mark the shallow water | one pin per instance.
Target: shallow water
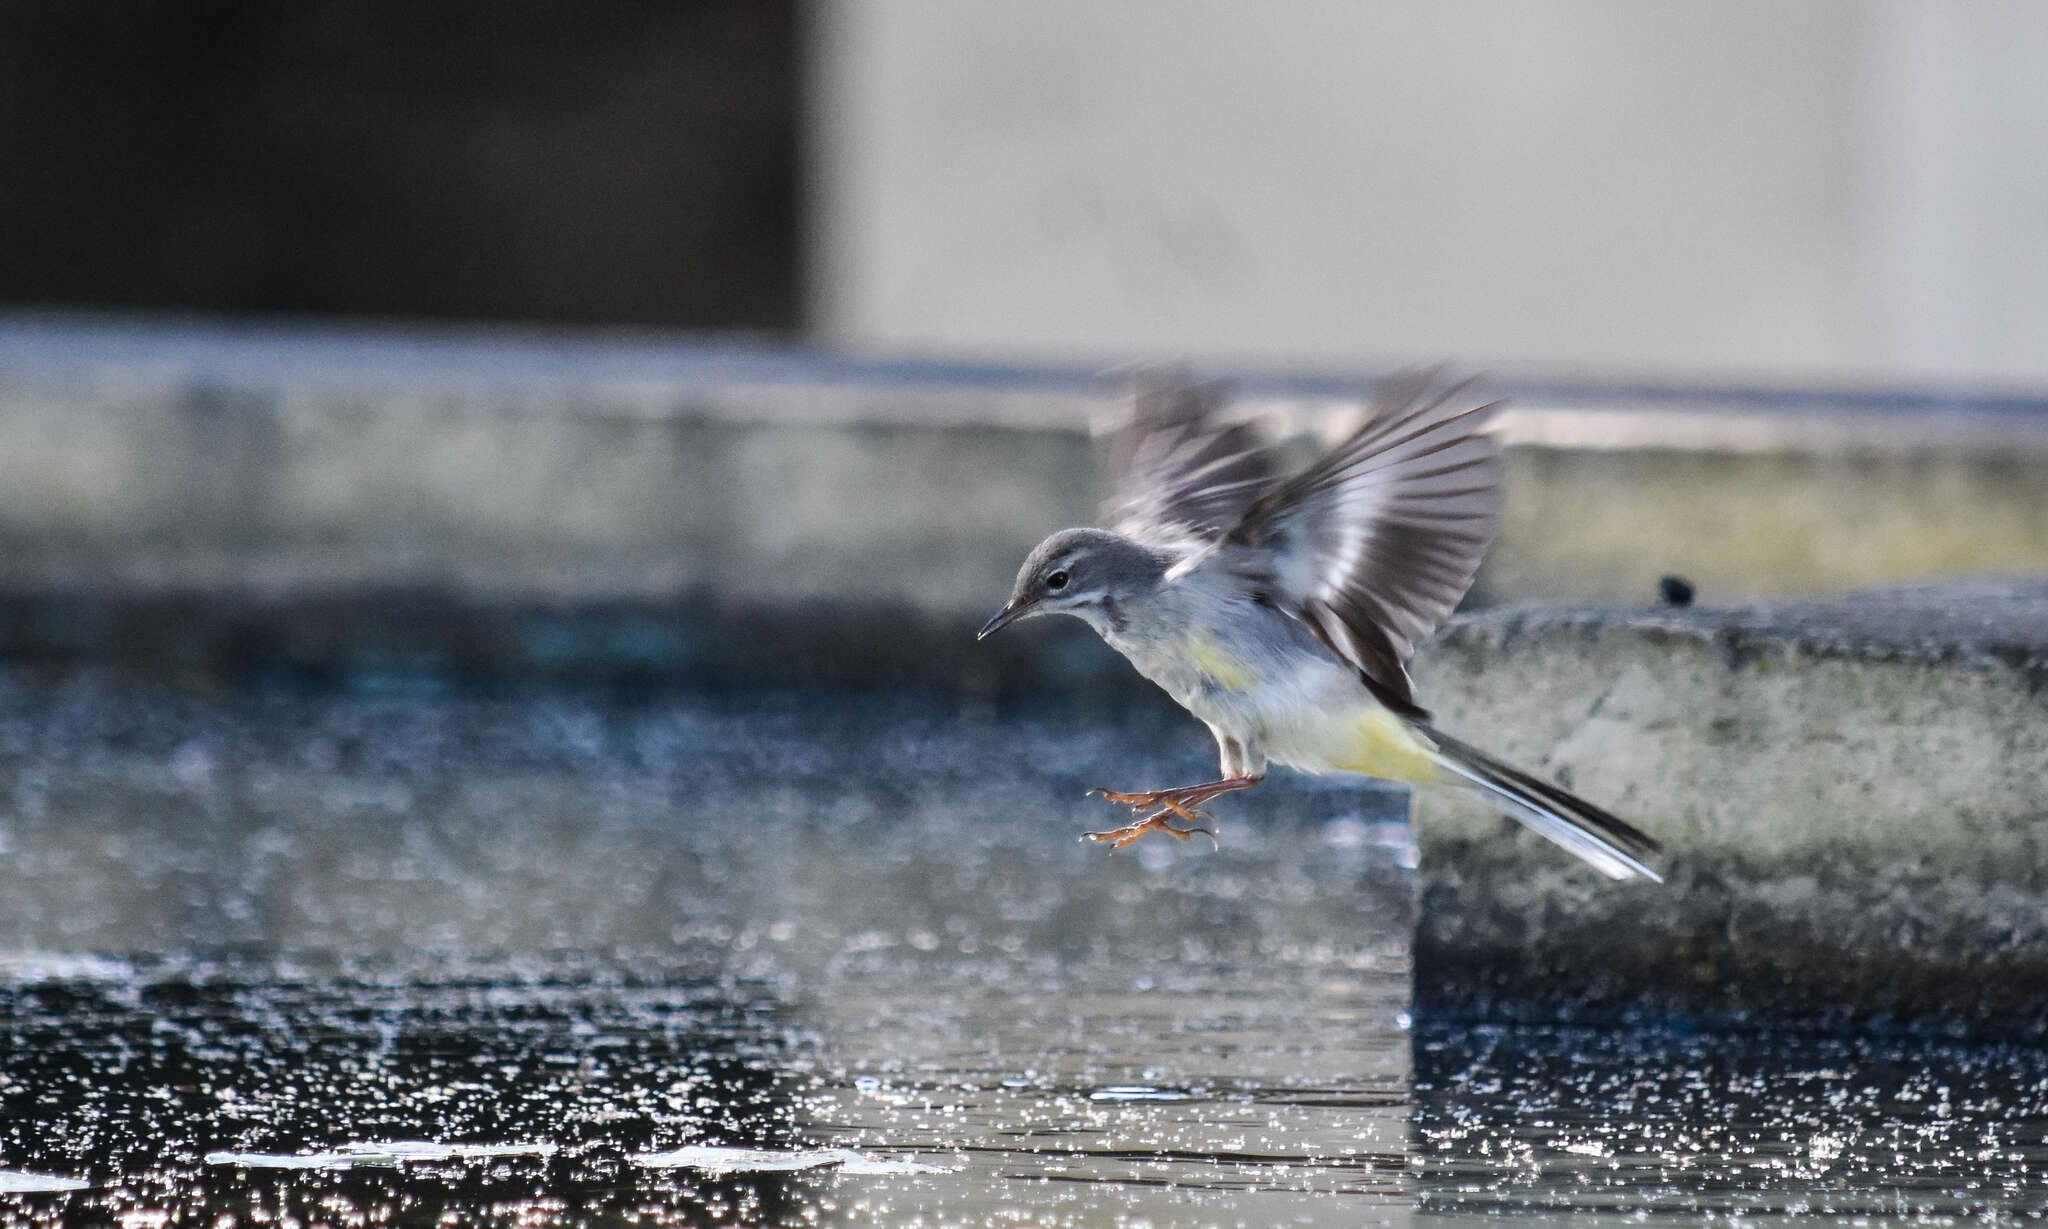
(1022, 1092)
(1756, 1128)
(276, 924)
(274, 957)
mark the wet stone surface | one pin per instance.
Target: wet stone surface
(600, 939)
(277, 958)
(192, 1096)
(1752, 1129)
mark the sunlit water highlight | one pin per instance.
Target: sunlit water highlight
(280, 958)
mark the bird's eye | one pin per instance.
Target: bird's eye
(1056, 582)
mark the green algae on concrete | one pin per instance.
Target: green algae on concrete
(1594, 524)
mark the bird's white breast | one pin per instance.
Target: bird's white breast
(1253, 674)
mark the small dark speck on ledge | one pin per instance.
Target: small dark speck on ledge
(1675, 590)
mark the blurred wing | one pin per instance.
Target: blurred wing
(1375, 543)
(1182, 476)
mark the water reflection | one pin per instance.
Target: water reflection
(130, 1084)
(1764, 1128)
(963, 1092)
(274, 924)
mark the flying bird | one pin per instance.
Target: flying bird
(1281, 610)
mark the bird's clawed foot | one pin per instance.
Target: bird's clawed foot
(1157, 811)
(1160, 820)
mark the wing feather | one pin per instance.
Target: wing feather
(1182, 475)
(1371, 546)
(1374, 544)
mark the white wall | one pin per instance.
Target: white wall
(1712, 188)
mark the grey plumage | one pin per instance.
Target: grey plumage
(1282, 611)
(1183, 477)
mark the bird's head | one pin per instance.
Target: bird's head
(1087, 573)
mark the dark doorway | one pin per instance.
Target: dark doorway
(585, 161)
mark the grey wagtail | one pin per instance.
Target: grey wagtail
(1282, 611)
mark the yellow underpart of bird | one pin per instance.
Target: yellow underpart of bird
(1379, 744)
(1226, 669)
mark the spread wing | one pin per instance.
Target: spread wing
(1183, 476)
(1377, 541)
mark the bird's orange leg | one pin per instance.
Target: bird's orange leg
(1157, 809)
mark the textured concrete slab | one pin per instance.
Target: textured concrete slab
(342, 498)
(1854, 794)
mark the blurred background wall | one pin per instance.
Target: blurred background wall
(1824, 190)
(1808, 190)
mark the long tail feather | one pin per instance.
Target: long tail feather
(1609, 845)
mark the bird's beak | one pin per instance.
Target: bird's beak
(1009, 614)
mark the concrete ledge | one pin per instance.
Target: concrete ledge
(152, 464)
(1854, 794)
